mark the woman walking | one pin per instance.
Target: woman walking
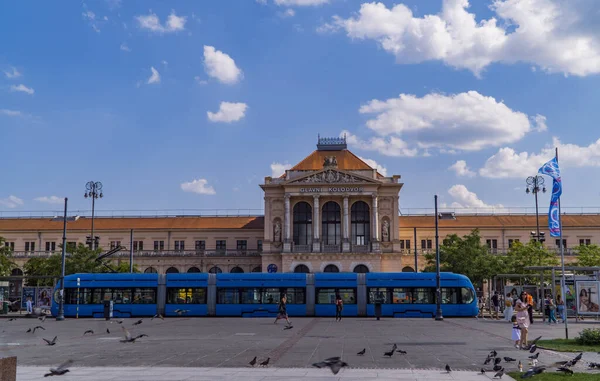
(551, 309)
(283, 310)
(523, 318)
(339, 306)
(560, 307)
(508, 307)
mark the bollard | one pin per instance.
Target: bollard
(8, 369)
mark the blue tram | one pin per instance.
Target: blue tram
(257, 294)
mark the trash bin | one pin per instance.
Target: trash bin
(377, 309)
(4, 310)
(108, 309)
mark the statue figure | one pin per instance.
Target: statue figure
(277, 232)
(385, 231)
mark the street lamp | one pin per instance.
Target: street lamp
(93, 190)
(438, 287)
(535, 184)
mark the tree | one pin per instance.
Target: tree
(467, 256)
(6, 263)
(533, 253)
(588, 255)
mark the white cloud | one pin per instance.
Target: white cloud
(373, 164)
(50, 200)
(300, 3)
(151, 22)
(164, 63)
(465, 121)
(22, 88)
(221, 66)
(556, 35)
(199, 186)
(391, 146)
(89, 15)
(467, 199)
(11, 202)
(540, 121)
(287, 13)
(262, 2)
(278, 169)
(200, 81)
(6, 112)
(13, 73)
(105, 18)
(461, 169)
(228, 112)
(124, 47)
(154, 78)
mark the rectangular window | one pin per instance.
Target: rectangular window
(179, 245)
(242, 245)
(450, 295)
(295, 295)
(186, 295)
(221, 245)
(401, 244)
(200, 245)
(511, 242)
(50, 246)
(564, 243)
(426, 244)
(138, 245)
(144, 296)
(466, 296)
(407, 244)
(228, 296)
(401, 295)
(10, 245)
(584, 241)
(378, 294)
(159, 245)
(115, 244)
(492, 243)
(327, 295)
(423, 295)
(271, 295)
(30, 246)
(251, 295)
(259, 245)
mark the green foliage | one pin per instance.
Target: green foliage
(589, 336)
(588, 255)
(39, 266)
(467, 256)
(533, 253)
(6, 264)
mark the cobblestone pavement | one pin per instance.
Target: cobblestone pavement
(233, 342)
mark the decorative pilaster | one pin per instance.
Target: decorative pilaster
(316, 225)
(346, 241)
(375, 209)
(287, 245)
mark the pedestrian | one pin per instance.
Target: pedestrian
(523, 318)
(29, 305)
(339, 306)
(560, 307)
(551, 310)
(508, 307)
(496, 305)
(530, 307)
(516, 331)
(283, 310)
(481, 308)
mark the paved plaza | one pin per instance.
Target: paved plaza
(220, 348)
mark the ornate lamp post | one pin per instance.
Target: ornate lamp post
(93, 190)
(535, 184)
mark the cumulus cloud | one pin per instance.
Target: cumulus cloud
(200, 81)
(124, 47)
(50, 199)
(465, 121)
(12, 73)
(555, 35)
(461, 169)
(154, 78)
(221, 66)
(199, 186)
(152, 23)
(22, 88)
(278, 169)
(300, 3)
(228, 112)
(391, 146)
(11, 202)
(373, 164)
(467, 199)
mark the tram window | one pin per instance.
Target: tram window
(97, 296)
(107, 293)
(402, 295)
(449, 295)
(271, 296)
(85, 296)
(378, 293)
(466, 295)
(327, 295)
(122, 296)
(228, 296)
(423, 296)
(144, 296)
(295, 295)
(250, 295)
(186, 295)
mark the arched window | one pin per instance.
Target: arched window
(215, 270)
(172, 270)
(361, 269)
(257, 269)
(236, 270)
(359, 217)
(302, 224)
(331, 269)
(331, 224)
(150, 270)
(194, 269)
(408, 269)
(302, 269)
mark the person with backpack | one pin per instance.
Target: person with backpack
(339, 306)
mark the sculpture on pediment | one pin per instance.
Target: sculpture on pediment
(385, 231)
(330, 161)
(331, 176)
(277, 231)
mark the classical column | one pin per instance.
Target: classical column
(316, 247)
(346, 241)
(375, 223)
(287, 246)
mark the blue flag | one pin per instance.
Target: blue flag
(551, 169)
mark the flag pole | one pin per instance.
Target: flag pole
(562, 261)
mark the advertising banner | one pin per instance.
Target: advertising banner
(588, 302)
(28, 292)
(44, 295)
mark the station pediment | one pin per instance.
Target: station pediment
(331, 176)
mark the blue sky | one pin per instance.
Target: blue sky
(461, 101)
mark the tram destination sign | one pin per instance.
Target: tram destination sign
(331, 190)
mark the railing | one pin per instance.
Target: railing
(361, 248)
(134, 213)
(152, 253)
(301, 248)
(518, 210)
(331, 248)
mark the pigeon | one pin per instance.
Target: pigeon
(482, 371)
(493, 354)
(533, 371)
(43, 318)
(520, 366)
(29, 330)
(389, 354)
(11, 319)
(137, 322)
(288, 327)
(128, 338)
(107, 331)
(535, 356)
(401, 352)
(535, 340)
(533, 348)
(497, 368)
(159, 316)
(333, 363)
(593, 365)
(564, 370)
(53, 342)
(497, 360)
(88, 331)
(394, 347)
(59, 370)
(487, 360)
(253, 362)
(266, 362)
(118, 321)
(448, 369)
(499, 374)
(38, 327)
(362, 352)
(181, 312)
(509, 359)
